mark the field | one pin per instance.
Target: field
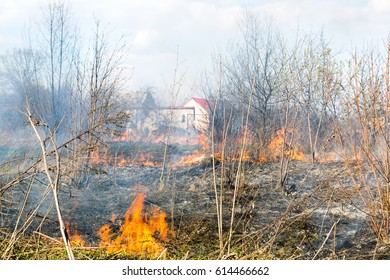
(120, 211)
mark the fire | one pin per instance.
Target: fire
(203, 141)
(198, 155)
(75, 239)
(95, 157)
(194, 159)
(122, 162)
(262, 158)
(245, 157)
(276, 146)
(145, 159)
(295, 154)
(138, 231)
(149, 163)
(124, 137)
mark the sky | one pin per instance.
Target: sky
(159, 32)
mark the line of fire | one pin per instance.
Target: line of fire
(151, 191)
(281, 152)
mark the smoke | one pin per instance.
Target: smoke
(11, 118)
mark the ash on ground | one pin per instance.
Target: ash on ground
(318, 215)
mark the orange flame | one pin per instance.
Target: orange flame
(203, 141)
(124, 137)
(194, 159)
(143, 159)
(75, 239)
(122, 162)
(95, 157)
(137, 233)
(245, 157)
(281, 143)
(262, 158)
(198, 155)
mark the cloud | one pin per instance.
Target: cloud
(344, 22)
(146, 38)
(379, 6)
(14, 14)
(156, 27)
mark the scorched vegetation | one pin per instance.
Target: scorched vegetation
(291, 158)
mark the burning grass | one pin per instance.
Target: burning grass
(139, 154)
(122, 154)
(268, 225)
(139, 233)
(282, 143)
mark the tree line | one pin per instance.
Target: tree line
(297, 87)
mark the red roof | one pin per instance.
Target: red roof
(204, 103)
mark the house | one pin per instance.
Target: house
(192, 116)
(200, 118)
(149, 121)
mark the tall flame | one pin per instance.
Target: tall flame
(138, 231)
(280, 143)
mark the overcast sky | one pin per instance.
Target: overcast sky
(154, 28)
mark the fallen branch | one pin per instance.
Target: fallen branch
(326, 239)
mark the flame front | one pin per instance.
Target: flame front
(198, 155)
(194, 159)
(138, 231)
(75, 239)
(280, 143)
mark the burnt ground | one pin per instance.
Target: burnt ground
(325, 219)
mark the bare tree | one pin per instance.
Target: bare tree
(100, 80)
(69, 103)
(368, 117)
(320, 82)
(173, 90)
